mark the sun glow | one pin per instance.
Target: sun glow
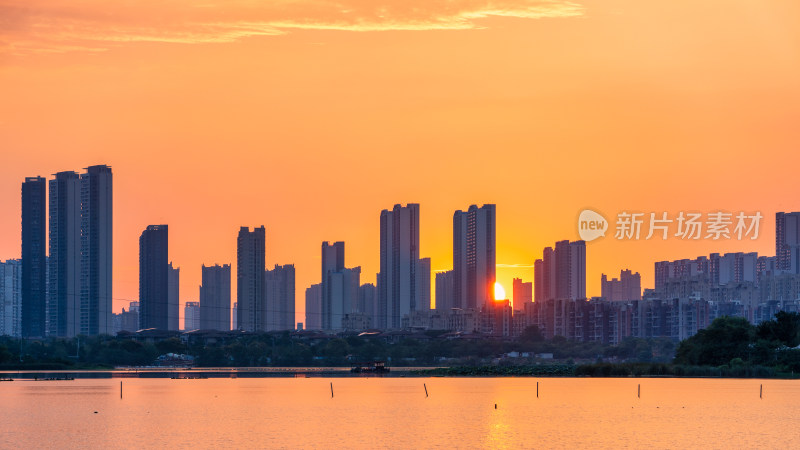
(499, 292)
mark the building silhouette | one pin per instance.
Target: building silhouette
(423, 284)
(474, 258)
(96, 250)
(787, 241)
(522, 293)
(367, 300)
(445, 290)
(250, 259)
(173, 297)
(215, 298)
(280, 298)
(34, 264)
(314, 307)
(332, 262)
(398, 293)
(11, 298)
(627, 287)
(154, 274)
(570, 266)
(191, 316)
(64, 262)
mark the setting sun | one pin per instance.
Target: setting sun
(499, 292)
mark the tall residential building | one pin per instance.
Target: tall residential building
(787, 241)
(215, 298)
(314, 307)
(332, 262)
(250, 265)
(191, 316)
(397, 280)
(173, 297)
(628, 287)
(96, 250)
(34, 252)
(342, 289)
(154, 275)
(367, 296)
(445, 291)
(474, 260)
(423, 284)
(129, 320)
(570, 266)
(235, 316)
(64, 262)
(279, 305)
(523, 293)
(11, 298)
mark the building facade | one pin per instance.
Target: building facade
(250, 294)
(215, 298)
(34, 253)
(154, 278)
(96, 250)
(474, 256)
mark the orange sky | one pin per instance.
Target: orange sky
(311, 117)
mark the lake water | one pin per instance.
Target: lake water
(395, 413)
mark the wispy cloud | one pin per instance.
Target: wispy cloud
(96, 25)
(514, 266)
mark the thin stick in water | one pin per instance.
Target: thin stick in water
(639, 391)
(331, 389)
(426, 390)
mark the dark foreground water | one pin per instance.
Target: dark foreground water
(395, 413)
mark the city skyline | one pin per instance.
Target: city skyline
(571, 286)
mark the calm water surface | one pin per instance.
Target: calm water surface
(394, 413)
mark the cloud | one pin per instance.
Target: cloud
(95, 25)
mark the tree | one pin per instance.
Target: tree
(784, 330)
(725, 339)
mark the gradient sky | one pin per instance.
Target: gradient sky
(309, 117)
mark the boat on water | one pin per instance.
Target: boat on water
(370, 367)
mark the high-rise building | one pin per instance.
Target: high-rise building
(628, 287)
(522, 293)
(11, 298)
(215, 298)
(191, 316)
(129, 320)
(235, 316)
(332, 262)
(34, 252)
(279, 306)
(570, 265)
(423, 284)
(367, 295)
(474, 263)
(154, 275)
(314, 307)
(250, 265)
(342, 291)
(173, 297)
(787, 241)
(64, 262)
(96, 250)
(397, 280)
(445, 291)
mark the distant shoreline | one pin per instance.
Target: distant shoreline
(600, 370)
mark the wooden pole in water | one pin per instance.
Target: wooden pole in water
(537, 389)
(426, 390)
(639, 391)
(331, 389)
(120, 389)
(761, 392)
